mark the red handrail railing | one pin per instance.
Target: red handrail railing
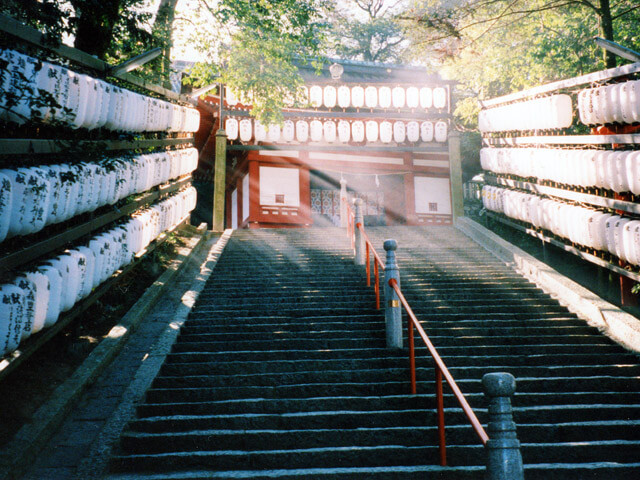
(441, 370)
(370, 250)
(377, 264)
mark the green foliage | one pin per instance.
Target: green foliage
(372, 36)
(497, 47)
(258, 47)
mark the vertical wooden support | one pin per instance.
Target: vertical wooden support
(455, 175)
(219, 181)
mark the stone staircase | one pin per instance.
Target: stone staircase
(282, 372)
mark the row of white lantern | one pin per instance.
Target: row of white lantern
(33, 197)
(544, 113)
(588, 227)
(370, 97)
(82, 101)
(616, 103)
(35, 299)
(609, 169)
(342, 131)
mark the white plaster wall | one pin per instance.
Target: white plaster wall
(245, 197)
(280, 181)
(430, 190)
(234, 209)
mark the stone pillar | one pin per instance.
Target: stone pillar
(343, 203)
(455, 175)
(359, 219)
(219, 181)
(392, 307)
(504, 461)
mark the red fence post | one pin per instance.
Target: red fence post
(442, 446)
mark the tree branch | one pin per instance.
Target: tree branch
(625, 12)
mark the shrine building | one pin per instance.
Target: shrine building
(379, 132)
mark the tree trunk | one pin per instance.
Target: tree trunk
(95, 25)
(162, 30)
(606, 30)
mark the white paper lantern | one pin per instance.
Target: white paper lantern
(357, 96)
(386, 132)
(357, 131)
(330, 96)
(260, 132)
(41, 291)
(302, 131)
(398, 96)
(245, 130)
(384, 97)
(426, 97)
(344, 96)
(12, 305)
(274, 132)
(413, 131)
(231, 128)
(5, 205)
(55, 291)
(316, 128)
(413, 97)
(372, 131)
(329, 131)
(440, 131)
(344, 131)
(288, 131)
(426, 131)
(371, 97)
(399, 131)
(315, 96)
(440, 97)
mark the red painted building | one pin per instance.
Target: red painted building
(381, 132)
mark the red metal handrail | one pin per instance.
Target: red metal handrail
(441, 370)
(377, 261)
(377, 264)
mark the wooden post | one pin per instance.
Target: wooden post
(219, 181)
(455, 175)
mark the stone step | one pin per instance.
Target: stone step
(203, 439)
(203, 323)
(300, 342)
(360, 352)
(390, 387)
(614, 416)
(364, 403)
(542, 471)
(615, 451)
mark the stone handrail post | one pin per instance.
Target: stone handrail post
(504, 460)
(392, 307)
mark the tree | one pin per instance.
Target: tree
(253, 48)
(163, 32)
(494, 47)
(94, 24)
(367, 30)
(463, 22)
